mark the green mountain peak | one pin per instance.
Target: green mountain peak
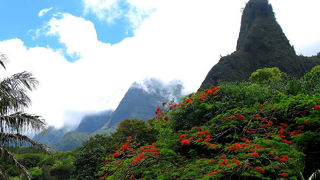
(261, 43)
(259, 30)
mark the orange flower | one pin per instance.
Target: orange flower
(212, 173)
(284, 158)
(116, 154)
(270, 123)
(258, 168)
(202, 96)
(182, 137)
(199, 139)
(237, 162)
(185, 142)
(284, 174)
(158, 110)
(105, 175)
(196, 128)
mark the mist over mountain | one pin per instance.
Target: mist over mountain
(261, 43)
(92, 122)
(139, 102)
(142, 99)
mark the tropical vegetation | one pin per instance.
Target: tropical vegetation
(242, 130)
(13, 120)
(265, 124)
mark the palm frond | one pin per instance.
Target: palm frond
(315, 175)
(26, 79)
(3, 57)
(301, 176)
(9, 157)
(20, 122)
(13, 94)
(7, 138)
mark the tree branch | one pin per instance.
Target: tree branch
(7, 155)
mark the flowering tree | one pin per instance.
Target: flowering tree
(236, 130)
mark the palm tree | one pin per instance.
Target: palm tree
(13, 121)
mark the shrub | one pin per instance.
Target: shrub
(265, 75)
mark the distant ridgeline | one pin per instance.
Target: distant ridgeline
(261, 43)
(139, 102)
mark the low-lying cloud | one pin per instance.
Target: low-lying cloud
(179, 40)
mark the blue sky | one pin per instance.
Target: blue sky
(87, 53)
(20, 19)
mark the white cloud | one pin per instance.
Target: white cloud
(77, 34)
(42, 12)
(110, 10)
(103, 9)
(299, 21)
(182, 39)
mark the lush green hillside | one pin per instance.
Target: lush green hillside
(50, 136)
(70, 141)
(262, 124)
(268, 128)
(265, 128)
(261, 43)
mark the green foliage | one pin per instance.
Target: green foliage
(36, 173)
(50, 136)
(312, 79)
(30, 160)
(70, 141)
(58, 166)
(89, 156)
(135, 128)
(266, 75)
(13, 120)
(239, 130)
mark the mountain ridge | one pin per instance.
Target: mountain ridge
(139, 102)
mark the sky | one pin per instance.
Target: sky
(87, 53)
